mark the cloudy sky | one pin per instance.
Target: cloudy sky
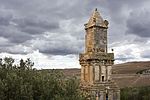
(51, 32)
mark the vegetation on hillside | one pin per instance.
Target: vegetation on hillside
(22, 82)
(135, 93)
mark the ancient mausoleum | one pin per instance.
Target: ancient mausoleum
(96, 63)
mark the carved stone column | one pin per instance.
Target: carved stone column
(91, 74)
(82, 74)
(118, 95)
(110, 95)
(101, 95)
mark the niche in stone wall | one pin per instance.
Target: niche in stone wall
(102, 78)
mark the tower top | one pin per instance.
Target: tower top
(96, 20)
(95, 9)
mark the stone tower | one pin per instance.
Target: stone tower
(96, 63)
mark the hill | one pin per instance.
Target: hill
(130, 67)
(125, 75)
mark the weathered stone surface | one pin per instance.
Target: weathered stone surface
(96, 62)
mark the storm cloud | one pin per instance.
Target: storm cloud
(54, 27)
(138, 23)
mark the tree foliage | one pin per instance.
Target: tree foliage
(21, 82)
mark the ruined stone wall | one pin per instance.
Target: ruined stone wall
(89, 40)
(100, 40)
(96, 40)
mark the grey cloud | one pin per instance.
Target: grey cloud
(32, 18)
(13, 35)
(6, 17)
(138, 23)
(59, 50)
(122, 58)
(58, 44)
(18, 27)
(140, 41)
(145, 54)
(35, 26)
(126, 55)
(9, 47)
(4, 43)
(5, 20)
(16, 49)
(8, 30)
